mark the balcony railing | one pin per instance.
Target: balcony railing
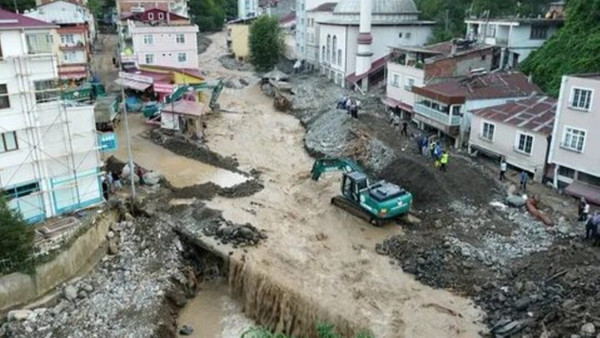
(422, 109)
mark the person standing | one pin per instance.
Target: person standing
(580, 208)
(591, 226)
(585, 212)
(348, 104)
(524, 177)
(104, 188)
(404, 131)
(354, 110)
(116, 180)
(444, 161)
(502, 169)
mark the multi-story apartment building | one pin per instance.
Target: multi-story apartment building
(517, 37)
(160, 38)
(303, 7)
(76, 33)
(414, 66)
(574, 152)
(127, 7)
(247, 9)
(312, 32)
(49, 161)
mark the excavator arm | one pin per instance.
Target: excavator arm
(333, 164)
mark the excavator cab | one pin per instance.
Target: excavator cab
(352, 184)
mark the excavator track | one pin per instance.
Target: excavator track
(343, 203)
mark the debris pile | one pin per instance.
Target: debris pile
(229, 62)
(125, 294)
(237, 235)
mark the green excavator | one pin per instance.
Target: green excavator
(374, 202)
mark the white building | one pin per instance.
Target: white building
(355, 41)
(49, 161)
(315, 15)
(518, 37)
(247, 9)
(303, 22)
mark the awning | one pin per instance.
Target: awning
(141, 86)
(375, 66)
(388, 101)
(591, 193)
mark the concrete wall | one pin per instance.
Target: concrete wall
(588, 161)
(18, 288)
(505, 141)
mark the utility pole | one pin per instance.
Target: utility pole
(15, 4)
(131, 173)
(447, 18)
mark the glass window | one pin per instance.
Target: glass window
(525, 143)
(45, 91)
(182, 57)
(395, 80)
(180, 38)
(410, 82)
(488, 131)
(8, 142)
(574, 139)
(4, 99)
(581, 98)
(67, 39)
(161, 16)
(149, 58)
(408, 35)
(148, 39)
(538, 32)
(567, 172)
(150, 16)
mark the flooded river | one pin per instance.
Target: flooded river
(214, 314)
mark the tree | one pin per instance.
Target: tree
(16, 239)
(22, 5)
(574, 48)
(266, 43)
(209, 15)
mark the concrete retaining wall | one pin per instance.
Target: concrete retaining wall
(18, 288)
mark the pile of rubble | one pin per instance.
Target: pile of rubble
(236, 235)
(125, 294)
(229, 62)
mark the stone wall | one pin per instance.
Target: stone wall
(18, 288)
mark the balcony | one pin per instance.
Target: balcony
(437, 115)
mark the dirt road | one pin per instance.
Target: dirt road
(314, 248)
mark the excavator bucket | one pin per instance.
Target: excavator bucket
(332, 164)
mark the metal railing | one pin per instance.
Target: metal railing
(437, 115)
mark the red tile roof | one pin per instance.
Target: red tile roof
(535, 113)
(326, 7)
(10, 20)
(481, 87)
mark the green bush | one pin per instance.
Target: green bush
(266, 43)
(16, 240)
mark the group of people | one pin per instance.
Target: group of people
(523, 175)
(350, 105)
(434, 150)
(592, 222)
(111, 180)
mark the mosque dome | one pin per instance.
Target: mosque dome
(380, 7)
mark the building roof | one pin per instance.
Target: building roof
(594, 76)
(375, 66)
(65, 13)
(480, 87)
(290, 17)
(10, 20)
(535, 113)
(326, 7)
(379, 7)
(139, 16)
(517, 21)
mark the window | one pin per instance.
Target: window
(323, 53)
(339, 57)
(148, 39)
(487, 132)
(8, 142)
(180, 38)
(67, 39)
(492, 31)
(45, 91)
(539, 32)
(456, 111)
(395, 80)
(408, 35)
(483, 56)
(182, 57)
(589, 179)
(21, 191)
(149, 58)
(574, 139)
(334, 49)
(400, 35)
(4, 99)
(566, 172)
(39, 43)
(328, 48)
(150, 16)
(409, 83)
(581, 98)
(69, 56)
(161, 16)
(524, 143)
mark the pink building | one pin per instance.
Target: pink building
(126, 7)
(160, 38)
(574, 152)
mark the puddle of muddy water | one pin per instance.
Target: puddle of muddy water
(214, 314)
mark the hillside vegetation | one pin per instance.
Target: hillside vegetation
(574, 49)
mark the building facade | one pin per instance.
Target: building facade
(128, 7)
(354, 42)
(303, 23)
(517, 37)
(315, 15)
(160, 38)
(238, 35)
(519, 132)
(574, 153)
(49, 161)
(247, 9)
(409, 66)
(74, 39)
(446, 107)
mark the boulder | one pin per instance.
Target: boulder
(19, 315)
(515, 201)
(71, 292)
(186, 330)
(152, 177)
(113, 247)
(588, 330)
(521, 304)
